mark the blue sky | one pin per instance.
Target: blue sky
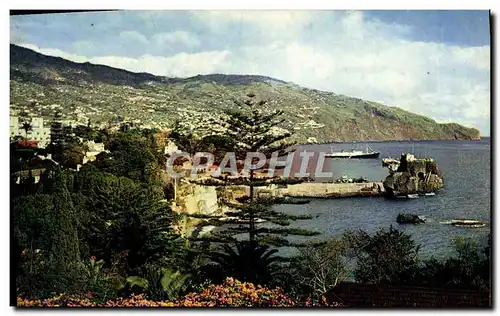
(435, 63)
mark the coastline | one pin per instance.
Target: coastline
(482, 138)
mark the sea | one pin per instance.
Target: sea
(466, 167)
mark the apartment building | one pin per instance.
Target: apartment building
(38, 131)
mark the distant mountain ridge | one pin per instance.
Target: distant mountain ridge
(44, 84)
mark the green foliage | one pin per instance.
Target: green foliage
(126, 220)
(47, 243)
(252, 127)
(318, 268)
(103, 283)
(91, 214)
(468, 268)
(160, 283)
(249, 262)
(383, 258)
(73, 153)
(133, 156)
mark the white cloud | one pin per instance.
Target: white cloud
(180, 65)
(175, 38)
(279, 19)
(133, 36)
(267, 24)
(349, 55)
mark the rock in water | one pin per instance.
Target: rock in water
(409, 219)
(414, 176)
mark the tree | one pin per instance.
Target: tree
(132, 156)
(72, 154)
(126, 221)
(248, 263)
(468, 268)
(46, 228)
(251, 128)
(387, 257)
(318, 268)
(27, 127)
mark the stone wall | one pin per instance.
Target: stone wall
(325, 190)
(371, 295)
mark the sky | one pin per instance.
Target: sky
(434, 63)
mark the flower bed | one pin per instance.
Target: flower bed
(231, 293)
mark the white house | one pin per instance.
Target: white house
(94, 149)
(38, 132)
(171, 148)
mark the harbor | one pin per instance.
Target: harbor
(324, 190)
(465, 195)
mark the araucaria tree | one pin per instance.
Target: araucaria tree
(254, 135)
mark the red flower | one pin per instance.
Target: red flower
(92, 258)
(89, 294)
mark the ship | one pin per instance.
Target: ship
(368, 153)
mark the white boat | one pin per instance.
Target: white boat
(412, 196)
(427, 194)
(478, 225)
(359, 154)
(464, 223)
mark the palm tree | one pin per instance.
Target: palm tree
(249, 262)
(27, 127)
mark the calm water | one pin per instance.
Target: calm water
(466, 168)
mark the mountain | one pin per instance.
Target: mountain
(43, 85)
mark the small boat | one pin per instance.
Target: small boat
(354, 154)
(407, 196)
(464, 223)
(427, 194)
(470, 225)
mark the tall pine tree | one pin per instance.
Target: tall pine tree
(251, 127)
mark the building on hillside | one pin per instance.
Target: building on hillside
(57, 134)
(26, 174)
(36, 132)
(94, 149)
(171, 149)
(14, 126)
